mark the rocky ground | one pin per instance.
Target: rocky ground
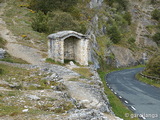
(52, 92)
(43, 91)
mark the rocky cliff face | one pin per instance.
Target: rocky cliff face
(141, 22)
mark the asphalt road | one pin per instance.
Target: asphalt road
(142, 99)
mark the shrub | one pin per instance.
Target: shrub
(128, 17)
(114, 34)
(153, 66)
(156, 38)
(2, 42)
(59, 21)
(122, 4)
(52, 5)
(156, 14)
(39, 22)
(1, 71)
(131, 40)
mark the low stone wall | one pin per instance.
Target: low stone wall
(150, 77)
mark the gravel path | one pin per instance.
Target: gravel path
(15, 49)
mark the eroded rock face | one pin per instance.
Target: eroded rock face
(141, 15)
(96, 3)
(122, 56)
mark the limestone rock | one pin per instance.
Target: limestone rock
(123, 56)
(95, 3)
(2, 52)
(33, 97)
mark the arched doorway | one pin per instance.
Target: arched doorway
(72, 49)
(68, 45)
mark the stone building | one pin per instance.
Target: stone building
(68, 45)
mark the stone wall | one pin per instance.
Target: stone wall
(68, 45)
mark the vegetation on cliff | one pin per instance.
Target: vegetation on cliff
(153, 66)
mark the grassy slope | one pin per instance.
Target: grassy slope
(18, 19)
(148, 81)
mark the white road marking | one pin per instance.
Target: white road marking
(143, 117)
(126, 101)
(120, 97)
(111, 89)
(115, 93)
(133, 108)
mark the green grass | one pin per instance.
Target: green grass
(20, 25)
(14, 74)
(11, 59)
(50, 60)
(148, 81)
(10, 110)
(85, 72)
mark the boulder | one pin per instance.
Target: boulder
(2, 53)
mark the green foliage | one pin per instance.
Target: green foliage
(2, 43)
(156, 14)
(128, 17)
(56, 21)
(156, 38)
(85, 72)
(114, 34)
(59, 21)
(131, 40)
(153, 67)
(50, 60)
(11, 59)
(39, 22)
(154, 1)
(1, 71)
(52, 5)
(119, 4)
(148, 81)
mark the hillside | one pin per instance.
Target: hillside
(122, 33)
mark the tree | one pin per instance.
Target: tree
(114, 34)
(156, 38)
(156, 14)
(62, 21)
(128, 17)
(39, 22)
(52, 5)
(153, 66)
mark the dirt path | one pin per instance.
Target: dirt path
(31, 55)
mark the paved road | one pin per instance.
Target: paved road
(141, 98)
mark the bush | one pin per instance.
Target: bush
(131, 40)
(128, 17)
(156, 14)
(59, 21)
(114, 34)
(2, 42)
(52, 5)
(153, 66)
(39, 22)
(122, 4)
(1, 71)
(56, 21)
(156, 38)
